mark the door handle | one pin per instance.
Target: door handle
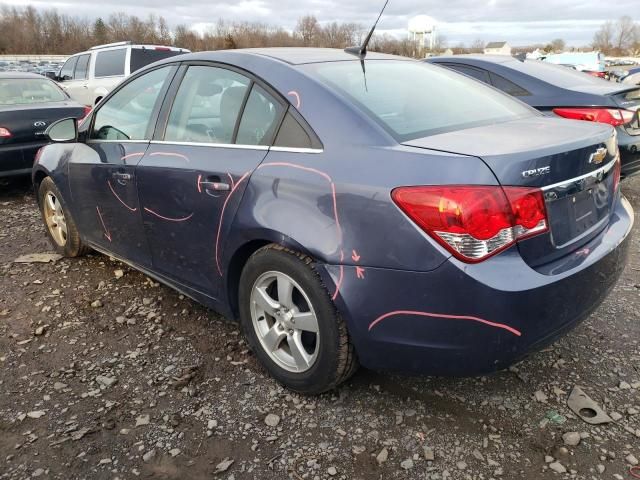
(215, 184)
(121, 177)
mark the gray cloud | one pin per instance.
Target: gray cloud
(459, 20)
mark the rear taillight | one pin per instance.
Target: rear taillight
(87, 111)
(474, 222)
(596, 74)
(38, 155)
(612, 116)
(5, 133)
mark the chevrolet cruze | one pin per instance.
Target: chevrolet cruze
(384, 212)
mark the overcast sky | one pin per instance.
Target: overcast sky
(517, 21)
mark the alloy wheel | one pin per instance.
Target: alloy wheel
(285, 322)
(55, 219)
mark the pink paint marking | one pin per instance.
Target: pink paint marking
(104, 227)
(296, 95)
(233, 184)
(442, 315)
(354, 256)
(131, 155)
(224, 207)
(360, 273)
(119, 199)
(169, 219)
(199, 182)
(340, 278)
(169, 154)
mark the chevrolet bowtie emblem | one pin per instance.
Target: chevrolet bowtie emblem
(598, 157)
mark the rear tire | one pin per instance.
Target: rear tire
(59, 224)
(281, 331)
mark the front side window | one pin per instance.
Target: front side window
(110, 63)
(207, 105)
(127, 114)
(22, 91)
(260, 118)
(413, 99)
(82, 67)
(66, 73)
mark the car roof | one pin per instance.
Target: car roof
(20, 75)
(293, 55)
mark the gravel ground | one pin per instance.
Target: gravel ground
(106, 374)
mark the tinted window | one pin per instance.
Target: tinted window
(66, 73)
(413, 99)
(110, 63)
(141, 57)
(507, 86)
(127, 114)
(481, 75)
(206, 106)
(554, 74)
(82, 67)
(291, 134)
(20, 91)
(260, 118)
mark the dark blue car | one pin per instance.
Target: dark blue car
(560, 91)
(346, 217)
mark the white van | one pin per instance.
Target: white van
(90, 75)
(581, 61)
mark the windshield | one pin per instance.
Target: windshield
(21, 91)
(557, 75)
(413, 99)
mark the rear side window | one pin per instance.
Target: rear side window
(292, 135)
(110, 63)
(66, 73)
(127, 114)
(260, 118)
(413, 99)
(141, 57)
(476, 73)
(507, 86)
(207, 106)
(82, 67)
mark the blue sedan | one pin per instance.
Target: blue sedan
(345, 214)
(560, 91)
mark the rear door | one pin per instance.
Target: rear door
(78, 87)
(102, 172)
(213, 133)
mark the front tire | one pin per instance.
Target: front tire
(291, 323)
(60, 225)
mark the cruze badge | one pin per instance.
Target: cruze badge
(598, 157)
(536, 172)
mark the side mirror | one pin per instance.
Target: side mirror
(63, 131)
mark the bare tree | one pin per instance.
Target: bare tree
(308, 29)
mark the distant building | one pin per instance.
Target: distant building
(497, 48)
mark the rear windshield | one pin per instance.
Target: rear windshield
(413, 99)
(557, 75)
(22, 91)
(141, 57)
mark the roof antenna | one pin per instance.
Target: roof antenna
(361, 51)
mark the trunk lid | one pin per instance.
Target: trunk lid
(571, 161)
(27, 123)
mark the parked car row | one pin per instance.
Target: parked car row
(355, 208)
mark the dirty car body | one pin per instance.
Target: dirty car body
(349, 176)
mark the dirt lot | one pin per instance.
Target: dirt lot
(106, 374)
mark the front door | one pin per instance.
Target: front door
(78, 87)
(191, 180)
(103, 170)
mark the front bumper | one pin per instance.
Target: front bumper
(463, 319)
(18, 159)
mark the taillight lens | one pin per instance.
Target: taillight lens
(87, 111)
(4, 132)
(612, 116)
(474, 222)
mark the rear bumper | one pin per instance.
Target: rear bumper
(472, 319)
(18, 159)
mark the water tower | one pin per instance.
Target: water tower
(422, 31)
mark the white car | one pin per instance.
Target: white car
(88, 76)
